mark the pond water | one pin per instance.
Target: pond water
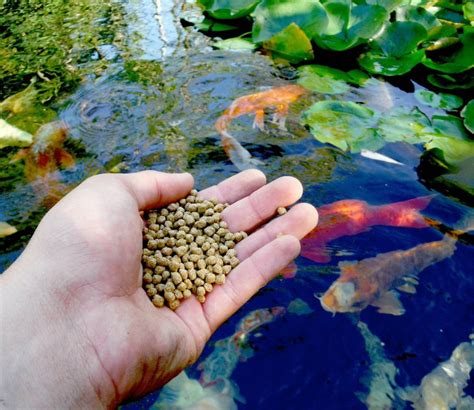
(147, 96)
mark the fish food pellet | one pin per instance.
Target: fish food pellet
(187, 249)
(281, 210)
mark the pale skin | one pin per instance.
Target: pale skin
(77, 329)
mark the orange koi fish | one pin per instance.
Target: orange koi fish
(46, 152)
(351, 217)
(370, 281)
(277, 99)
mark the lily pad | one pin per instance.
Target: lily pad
(11, 136)
(229, 9)
(438, 100)
(468, 114)
(390, 66)
(460, 60)
(460, 81)
(468, 10)
(213, 26)
(401, 38)
(291, 44)
(273, 16)
(235, 44)
(418, 15)
(346, 125)
(346, 31)
(454, 150)
(323, 79)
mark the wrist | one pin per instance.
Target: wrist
(44, 361)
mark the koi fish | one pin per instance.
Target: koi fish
(443, 388)
(380, 377)
(371, 281)
(183, 392)
(351, 217)
(277, 99)
(46, 152)
(222, 361)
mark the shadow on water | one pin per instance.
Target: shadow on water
(154, 105)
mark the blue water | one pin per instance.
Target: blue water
(310, 361)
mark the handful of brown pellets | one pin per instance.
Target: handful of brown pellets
(187, 249)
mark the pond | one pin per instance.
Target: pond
(121, 86)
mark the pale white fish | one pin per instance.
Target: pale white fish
(380, 378)
(6, 229)
(443, 388)
(378, 157)
(183, 392)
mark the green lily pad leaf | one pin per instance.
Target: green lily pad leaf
(11, 136)
(291, 44)
(235, 44)
(441, 100)
(449, 125)
(230, 9)
(454, 150)
(418, 15)
(468, 114)
(388, 5)
(450, 15)
(273, 16)
(468, 10)
(213, 26)
(407, 126)
(346, 125)
(363, 22)
(323, 79)
(390, 66)
(357, 77)
(460, 60)
(6, 229)
(400, 38)
(461, 81)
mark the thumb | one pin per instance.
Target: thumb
(151, 189)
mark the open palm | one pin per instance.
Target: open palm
(94, 236)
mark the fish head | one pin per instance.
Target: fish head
(340, 297)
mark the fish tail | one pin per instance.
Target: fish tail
(405, 213)
(238, 155)
(223, 122)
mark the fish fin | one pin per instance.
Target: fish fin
(407, 288)
(389, 303)
(64, 158)
(21, 154)
(318, 255)
(258, 122)
(405, 213)
(238, 155)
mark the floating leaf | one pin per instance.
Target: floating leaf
(449, 125)
(440, 100)
(400, 38)
(418, 15)
(390, 66)
(291, 43)
(468, 114)
(454, 150)
(460, 60)
(407, 126)
(346, 31)
(388, 5)
(235, 44)
(346, 125)
(213, 26)
(323, 79)
(273, 16)
(11, 136)
(468, 10)
(464, 80)
(6, 229)
(229, 9)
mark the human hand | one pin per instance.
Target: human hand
(80, 330)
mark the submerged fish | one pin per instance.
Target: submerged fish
(378, 157)
(380, 377)
(6, 229)
(352, 216)
(443, 388)
(229, 351)
(371, 281)
(185, 393)
(277, 99)
(46, 153)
